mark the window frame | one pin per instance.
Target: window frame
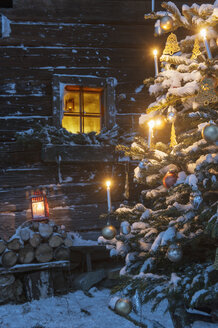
(82, 114)
(107, 84)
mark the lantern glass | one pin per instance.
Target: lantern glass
(39, 207)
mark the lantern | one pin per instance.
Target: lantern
(39, 206)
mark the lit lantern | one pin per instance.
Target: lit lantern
(39, 206)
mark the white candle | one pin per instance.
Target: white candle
(155, 62)
(207, 47)
(150, 133)
(108, 183)
(152, 5)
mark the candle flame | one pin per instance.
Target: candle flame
(203, 33)
(151, 124)
(155, 52)
(158, 122)
(108, 183)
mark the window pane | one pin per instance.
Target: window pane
(92, 102)
(92, 124)
(71, 123)
(71, 102)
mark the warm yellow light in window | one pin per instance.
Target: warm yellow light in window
(82, 110)
(71, 123)
(92, 124)
(91, 102)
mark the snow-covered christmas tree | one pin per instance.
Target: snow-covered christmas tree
(169, 239)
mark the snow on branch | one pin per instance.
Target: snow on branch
(191, 17)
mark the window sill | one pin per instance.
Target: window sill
(78, 153)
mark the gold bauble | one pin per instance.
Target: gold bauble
(210, 133)
(109, 232)
(123, 306)
(166, 23)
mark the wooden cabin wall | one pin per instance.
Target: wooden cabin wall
(103, 38)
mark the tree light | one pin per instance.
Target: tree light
(158, 122)
(151, 124)
(155, 62)
(108, 183)
(203, 33)
(155, 52)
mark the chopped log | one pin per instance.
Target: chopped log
(45, 230)
(9, 258)
(55, 240)
(2, 246)
(14, 243)
(44, 253)
(6, 280)
(35, 239)
(62, 253)
(63, 234)
(38, 285)
(11, 292)
(17, 288)
(25, 234)
(6, 294)
(35, 226)
(68, 241)
(26, 254)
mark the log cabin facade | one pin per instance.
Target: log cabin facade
(55, 57)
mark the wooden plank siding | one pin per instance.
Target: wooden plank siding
(100, 38)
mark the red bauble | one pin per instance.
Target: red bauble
(170, 179)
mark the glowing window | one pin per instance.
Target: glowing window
(82, 110)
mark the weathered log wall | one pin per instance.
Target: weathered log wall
(103, 38)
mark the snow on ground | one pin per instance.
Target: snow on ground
(76, 310)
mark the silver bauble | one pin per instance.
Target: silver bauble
(123, 306)
(174, 253)
(210, 133)
(125, 229)
(166, 23)
(109, 232)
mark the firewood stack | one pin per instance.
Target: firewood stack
(36, 242)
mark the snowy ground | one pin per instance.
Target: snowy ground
(75, 310)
